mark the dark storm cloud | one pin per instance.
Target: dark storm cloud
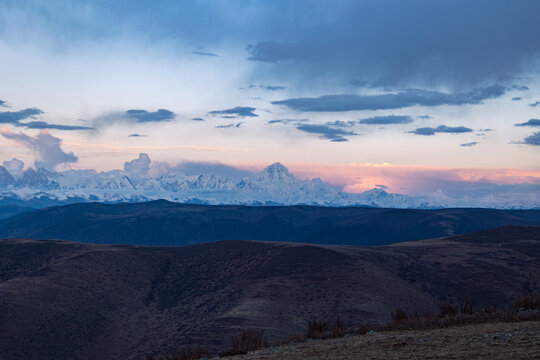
(531, 122)
(458, 43)
(405, 98)
(387, 120)
(242, 111)
(441, 129)
(396, 42)
(326, 132)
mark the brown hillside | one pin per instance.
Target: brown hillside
(69, 300)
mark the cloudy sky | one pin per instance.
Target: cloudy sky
(415, 95)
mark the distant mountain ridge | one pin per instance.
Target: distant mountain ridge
(167, 223)
(274, 185)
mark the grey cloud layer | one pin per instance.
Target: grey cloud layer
(15, 118)
(326, 132)
(232, 125)
(534, 139)
(286, 121)
(45, 125)
(134, 116)
(241, 111)
(390, 40)
(387, 120)
(268, 87)
(340, 123)
(204, 53)
(403, 99)
(46, 147)
(394, 42)
(531, 122)
(138, 167)
(143, 116)
(428, 131)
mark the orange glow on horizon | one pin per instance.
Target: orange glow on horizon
(408, 179)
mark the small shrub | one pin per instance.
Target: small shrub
(363, 328)
(316, 329)
(295, 338)
(447, 310)
(466, 308)
(526, 302)
(186, 353)
(338, 328)
(492, 310)
(249, 340)
(399, 315)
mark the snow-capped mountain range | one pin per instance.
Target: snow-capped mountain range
(272, 186)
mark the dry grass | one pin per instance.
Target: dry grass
(249, 339)
(524, 308)
(475, 341)
(527, 302)
(186, 353)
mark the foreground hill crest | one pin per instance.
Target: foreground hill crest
(67, 300)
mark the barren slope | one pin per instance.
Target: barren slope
(64, 300)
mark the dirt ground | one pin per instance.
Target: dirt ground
(482, 341)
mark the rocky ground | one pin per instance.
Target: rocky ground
(480, 341)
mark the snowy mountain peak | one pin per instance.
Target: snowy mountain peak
(5, 177)
(277, 171)
(36, 179)
(273, 185)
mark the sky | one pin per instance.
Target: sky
(414, 96)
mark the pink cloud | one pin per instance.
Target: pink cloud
(412, 179)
